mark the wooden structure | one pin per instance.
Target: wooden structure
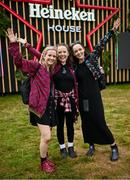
(8, 81)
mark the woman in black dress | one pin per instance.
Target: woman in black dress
(94, 128)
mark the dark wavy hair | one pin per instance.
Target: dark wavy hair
(74, 60)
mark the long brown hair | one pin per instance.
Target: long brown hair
(73, 59)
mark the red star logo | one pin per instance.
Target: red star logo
(113, 12)
(78, 4)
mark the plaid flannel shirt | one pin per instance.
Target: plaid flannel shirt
(65, 100)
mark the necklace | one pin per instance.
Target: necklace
(63, 70)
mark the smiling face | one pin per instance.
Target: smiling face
(78, 52)
(50, 57)
(62, 54)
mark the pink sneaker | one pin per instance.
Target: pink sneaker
(51, 163)
(45, 166)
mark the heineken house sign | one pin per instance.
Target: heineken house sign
(71, 14)
(36, 11)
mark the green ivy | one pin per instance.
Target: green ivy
(115, 35)
(19, 75)
(106, 56)
(4, 22)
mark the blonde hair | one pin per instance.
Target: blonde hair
(44, 52)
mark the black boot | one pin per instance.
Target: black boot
(91, 150)
(63, 153)
(71, 152)
(114, 153)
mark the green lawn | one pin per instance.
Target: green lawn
(19, 142)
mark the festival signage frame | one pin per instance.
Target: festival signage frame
(78, 5)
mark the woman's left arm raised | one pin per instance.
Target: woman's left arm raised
(100, 46)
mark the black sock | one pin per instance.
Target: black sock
(43, 159)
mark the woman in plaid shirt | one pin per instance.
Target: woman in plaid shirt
(66, 98)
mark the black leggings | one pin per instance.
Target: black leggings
(69, 124)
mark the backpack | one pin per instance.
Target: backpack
(25, 88)
(102, 82)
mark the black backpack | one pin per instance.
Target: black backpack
(102, 82)
(25, 88)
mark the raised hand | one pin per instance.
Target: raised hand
(22, 41)
(10, 34)
(116, 24)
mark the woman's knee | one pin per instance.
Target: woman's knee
(45, 137)
(45, 133)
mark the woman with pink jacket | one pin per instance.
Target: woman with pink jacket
(41, 101)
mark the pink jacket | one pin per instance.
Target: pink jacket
(40, 80)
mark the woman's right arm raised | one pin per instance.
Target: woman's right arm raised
(14, 48)
(22, 64)
(12, 37)
(32, 50)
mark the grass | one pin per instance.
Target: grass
(19, 142)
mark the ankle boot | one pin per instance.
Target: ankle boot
(114, 153)
(63, 153)
(91, 150)
(71, 152)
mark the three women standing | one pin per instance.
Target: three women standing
(41, 100)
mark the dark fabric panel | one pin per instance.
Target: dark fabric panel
(123, 51)
(46, 40)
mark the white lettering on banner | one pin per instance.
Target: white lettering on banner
(37, 11)
(60, 28)
(44, 12)
(67, 14)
